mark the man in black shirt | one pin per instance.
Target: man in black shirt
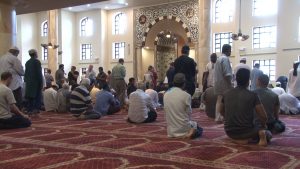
(186, 65)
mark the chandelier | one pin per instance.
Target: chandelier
(239, 35)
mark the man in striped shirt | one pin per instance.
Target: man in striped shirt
(81, 102)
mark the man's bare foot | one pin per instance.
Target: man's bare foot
(262, 138)
(190, 134)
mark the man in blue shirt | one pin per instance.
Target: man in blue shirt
(106, 103)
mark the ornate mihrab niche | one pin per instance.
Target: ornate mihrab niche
(186, 13)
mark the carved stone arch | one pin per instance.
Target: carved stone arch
(175, 21)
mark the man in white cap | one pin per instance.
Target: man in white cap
(10, 62)
(34, 83)
(278, 89)
(177, 105)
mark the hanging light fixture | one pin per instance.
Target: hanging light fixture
(239, 35)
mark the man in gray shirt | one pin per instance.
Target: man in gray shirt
(10, 116)
(222, 78)
(271, 104)
(255, 73)
(118, 81)
(238, 107)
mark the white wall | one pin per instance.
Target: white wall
(288, 35)
(68, 33)
(27, 37)
(127, 37)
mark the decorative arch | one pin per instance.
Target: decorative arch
(177, 19)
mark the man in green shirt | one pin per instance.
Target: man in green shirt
(117, 81)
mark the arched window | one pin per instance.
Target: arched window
(44, 28)
(224, 10)
(119, 24)
(86, 27)
(264, 7)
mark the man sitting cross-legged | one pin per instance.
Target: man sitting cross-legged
(177, 105)
(238, 107)
(10, 116)
(81, 102)
(106, 103)
(271, 104)
(141, 108)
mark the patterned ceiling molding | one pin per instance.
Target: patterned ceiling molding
(186, 13)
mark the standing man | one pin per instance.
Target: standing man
(72, 77)
(10, 62)
(117, 81)
(10, 116)
(91, 74)
(222, 78)
(101, 78)
(34, 82)
(186, 65)
(170, 75)
(60, 76)
(48, 78)
(242, 64)
(255, 73)
(210, 71)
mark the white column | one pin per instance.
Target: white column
(204, 36)
(8, 27)
(52, 38)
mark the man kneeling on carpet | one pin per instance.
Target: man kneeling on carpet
(141, 108)
(177, 105)
(271, 104)
(239, 106)
(10, 116)
(106, 103)
(81, 102)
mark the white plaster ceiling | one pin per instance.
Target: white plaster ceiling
(30, 6)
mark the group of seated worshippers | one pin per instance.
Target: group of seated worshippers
(251, 115)
(56, 100)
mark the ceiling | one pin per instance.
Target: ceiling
(30, 6)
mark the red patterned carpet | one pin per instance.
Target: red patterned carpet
(61, 142)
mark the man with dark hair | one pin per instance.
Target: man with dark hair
(170, 75)
(71, 76)
(10, 62)
(141, 109)
(242, 64)
(239, 106)
(131, 86)
(34, 82)
(101, 78)
(48, 78)
(271, 104)
(222, 78)
(186, 65)
(60, 75)
(117, 81)
(106, 103)
(10, 115)
(208, 76)
(255, 73)
(177, 105)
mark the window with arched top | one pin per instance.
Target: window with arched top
(224, 11)
(86, 27)
(44, 28)
(119, 24)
